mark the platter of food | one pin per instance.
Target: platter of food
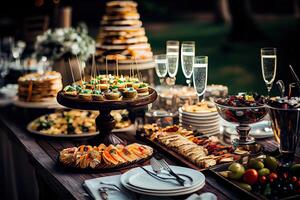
(86, 157)
(51, 103)
(181, 144)
(37, 90)
(262, 177)
(75, 123)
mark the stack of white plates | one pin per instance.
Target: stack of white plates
(137, 180)
(205, 122)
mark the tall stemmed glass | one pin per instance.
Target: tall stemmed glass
(17, 50)
(161, 66)
(172, 60)
(187, 59)
(200, 69)
(268, 66)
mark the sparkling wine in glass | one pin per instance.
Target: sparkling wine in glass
(268, 66)
(161, 66)
(187, 59)
(200, 75)
(172, 58)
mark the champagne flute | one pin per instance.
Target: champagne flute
(200, 69)
(161, 66)
(268, 66)
(172, 59)
(187, 59)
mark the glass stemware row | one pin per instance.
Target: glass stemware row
(196, 66)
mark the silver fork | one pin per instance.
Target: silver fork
(157, 167)
(166, 166)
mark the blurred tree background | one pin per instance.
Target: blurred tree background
(230, 32)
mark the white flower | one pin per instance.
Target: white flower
(60, 42)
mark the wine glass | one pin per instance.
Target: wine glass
(200, 75)
(268, 66)
(17, 50)
(4, 68)
(187, 59)
(172, 59)
(161, 66)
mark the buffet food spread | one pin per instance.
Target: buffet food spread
(100, 105)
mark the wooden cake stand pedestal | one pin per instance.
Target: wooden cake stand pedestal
(105, 122)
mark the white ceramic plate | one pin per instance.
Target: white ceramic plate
(203, 114)
(200, 122)
(44, 105)
(202, 126)
(139, 181)
(205, 118)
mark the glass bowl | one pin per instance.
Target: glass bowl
(242, 116)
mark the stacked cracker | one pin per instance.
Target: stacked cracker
(35, 87)
(122, 32)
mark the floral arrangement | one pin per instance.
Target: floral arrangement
(65, 43)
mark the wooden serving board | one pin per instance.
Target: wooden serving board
(170, 153)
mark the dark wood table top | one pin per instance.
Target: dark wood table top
(43, 153)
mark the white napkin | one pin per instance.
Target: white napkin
(92, 186)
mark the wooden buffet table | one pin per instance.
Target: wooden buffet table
(56, 183)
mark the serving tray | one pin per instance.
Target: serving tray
(102, 169)
(249, 194)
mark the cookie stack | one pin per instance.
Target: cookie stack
(35, 87)
(122, 33)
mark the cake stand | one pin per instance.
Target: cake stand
(105, 122)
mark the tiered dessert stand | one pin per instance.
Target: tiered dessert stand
(105, 122)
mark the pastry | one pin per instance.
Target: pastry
(35, 87)
(86, 94)
(98, 95)
(70, 90)
(113, 95)
(129, 93)
(143, 89)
